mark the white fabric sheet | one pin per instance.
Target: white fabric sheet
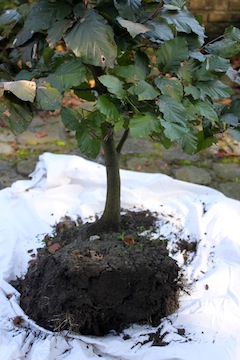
(209, 313)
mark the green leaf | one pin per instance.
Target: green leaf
(133, 28)
(131, 73)
(182, 135)
(233, 33)
(71, 118)
(174, 5)
(92, 40)
(48, 97)
(233, 75)
(215, 89)
(84, 91)
(160, 33)
(204, 142)
(217, 64)
(70, 73)
(89, 145)
(171, 54)
(187, 71)
(7, 22)
(143, 124)
(55, 33)
(16, 113)
(235, 133)
(225, 48)
(170, 86)
(206, 110)
(172, 110)
(107, 108)
(230, 119)
(184, 22)
(128, 9)
(23, 89)
(44, 14)
(143, 90)
(114, 85)
(193, 91)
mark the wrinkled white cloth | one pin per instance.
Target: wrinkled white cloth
(207, 324)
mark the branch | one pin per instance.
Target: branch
(158, 8)
(122, 141)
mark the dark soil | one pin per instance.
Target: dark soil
(101, 283)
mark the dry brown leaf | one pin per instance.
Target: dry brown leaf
(53, 248)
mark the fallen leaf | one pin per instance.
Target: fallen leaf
(18, 321)
(53, 248)
(41, 134)
(129, 240)
(7, 113)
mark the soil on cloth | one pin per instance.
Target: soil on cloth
(103, 282)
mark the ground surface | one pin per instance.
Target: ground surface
(102, 283)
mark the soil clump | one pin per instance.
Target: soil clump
(103, 282)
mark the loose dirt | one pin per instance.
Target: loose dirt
(102, 283)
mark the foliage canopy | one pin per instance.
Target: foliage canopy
(139, 66)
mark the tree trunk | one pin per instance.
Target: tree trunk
(110, 219)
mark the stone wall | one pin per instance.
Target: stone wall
(216, 14)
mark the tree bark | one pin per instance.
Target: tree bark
(110, 219)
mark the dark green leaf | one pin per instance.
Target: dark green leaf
(172, 110)
(143, 124)
(185, 22)
(44, 14)
(187, 71)
(193, 91)
(22, 37)
(133, 28)
(233, 33)
(205, 142)
(171, 54)
(107, 108)
(225, 48)
(161, 32)
(7, 22)
(71, 118)
(170, 86)
(56, 32)
(84, 91)
(128, 9)
(230, 119)
(141, 60)
(89, 145)
(114, 85)
(174, 4)
(92, 39)
(48, 97)
(183, 135)
(143, 90)
(70, 73)
(131, 73)
(214, 89)
(16, 113)
(206, 110)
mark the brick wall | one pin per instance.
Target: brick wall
(216, 14)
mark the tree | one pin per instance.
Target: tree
(141, 67)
